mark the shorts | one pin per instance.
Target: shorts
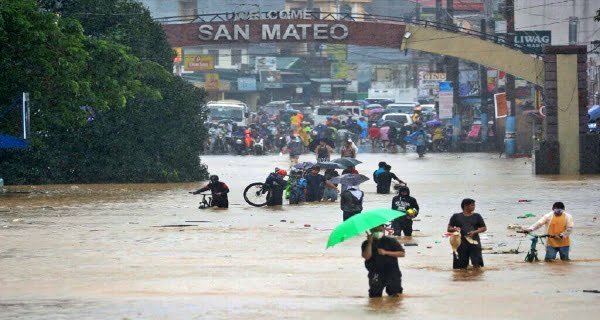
(392, 282)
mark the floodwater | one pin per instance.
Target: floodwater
(98, 251)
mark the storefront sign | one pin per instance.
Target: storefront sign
(325, 88)
(533, 41)
(435, 76)
(246, 84)
(198, 62)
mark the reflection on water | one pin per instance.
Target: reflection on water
(95, 247)
(385, 304)
(470, 274)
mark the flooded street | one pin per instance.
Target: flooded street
(99, 251)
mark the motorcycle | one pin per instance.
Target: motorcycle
(258, 147)
(239, 147)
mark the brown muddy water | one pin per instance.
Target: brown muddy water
(95, 251)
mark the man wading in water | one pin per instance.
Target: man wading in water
(381, 255)
(470, 225)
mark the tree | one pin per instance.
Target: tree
(597, 18)
(102, 111)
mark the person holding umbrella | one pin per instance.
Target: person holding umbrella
(381, 255)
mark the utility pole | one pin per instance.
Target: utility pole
(483, 91)
(452, 76)
(511, 119)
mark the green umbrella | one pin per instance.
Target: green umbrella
(360, 223)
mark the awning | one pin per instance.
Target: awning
(10, 142)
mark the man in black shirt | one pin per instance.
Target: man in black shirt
(404, 202)
(381, 255)
(384, 180)
(218, 191)
(470, 225)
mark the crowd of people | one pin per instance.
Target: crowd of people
(381, 251)
(292, 133)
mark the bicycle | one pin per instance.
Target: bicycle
(532, 254)
(256, 194)
(205, 203)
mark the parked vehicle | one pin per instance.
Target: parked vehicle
(402, 118)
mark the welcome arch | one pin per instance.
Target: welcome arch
(561, 71)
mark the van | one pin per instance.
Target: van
(402, 118)
(322, 112)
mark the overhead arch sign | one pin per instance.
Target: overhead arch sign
(285, 26)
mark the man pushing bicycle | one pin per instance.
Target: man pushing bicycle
(560, 225)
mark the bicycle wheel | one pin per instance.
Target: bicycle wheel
(255, 194)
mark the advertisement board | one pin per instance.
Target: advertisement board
(271, 79)
(211, 82)
(246, 84)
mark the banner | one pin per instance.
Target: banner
(211, 82)
(492, 79)
(271, 79)
(246, 84)
(501, 105)
(446, 99)
(338, 55)
(198, 62)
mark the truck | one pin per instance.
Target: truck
(232, 110)
(395, 94)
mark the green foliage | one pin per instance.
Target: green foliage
(597, 17)
(147, 123)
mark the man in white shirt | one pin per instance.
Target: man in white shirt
(560, 225)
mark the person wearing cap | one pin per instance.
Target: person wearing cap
(218, 191)
(276, 184)
(559, 227)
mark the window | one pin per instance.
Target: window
(215, 55)
(346, 11)
(236, 57)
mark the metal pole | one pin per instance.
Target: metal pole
(452, 74)
(25, 115)
(510, 144)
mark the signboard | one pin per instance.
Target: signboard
(492, 78)
(533, 41)
(246, 84)
(338, 55)
(435, 76)
(198, 62)
(211, 82)
(271, 79)
(265, 63)
(501, 105)
(446, 102)
(325, 88)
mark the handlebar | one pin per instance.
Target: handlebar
(536, 235)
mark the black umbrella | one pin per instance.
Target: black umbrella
(350, 179)
(330, 165)
(316, 142)
(348, 162)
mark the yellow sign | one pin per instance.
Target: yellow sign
(211, 82)
(339, 54)
(198, 62)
